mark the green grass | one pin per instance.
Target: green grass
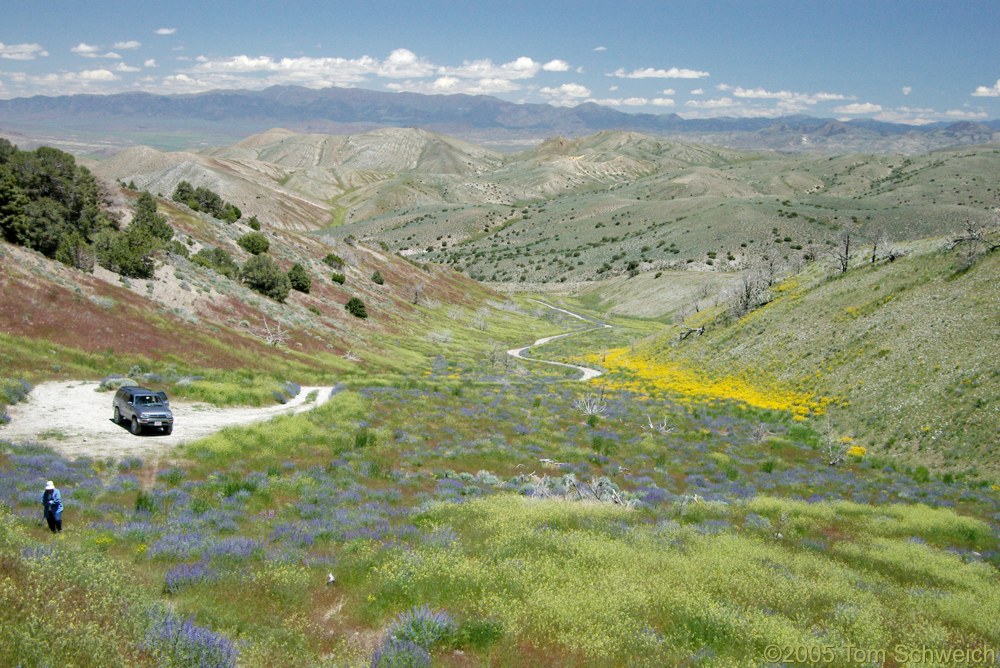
(600, 584)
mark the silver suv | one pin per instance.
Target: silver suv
(138, 407)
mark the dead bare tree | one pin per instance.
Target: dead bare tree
(662, 427)
(592, 404)
(759, 433)
(841, 250)
(688, 331)
(494, 355)
(681, 314)
(973, 240)
(274, 336)
(766, 261)
(749, 293)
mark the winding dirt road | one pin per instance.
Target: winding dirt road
(588, 373)
(74, 419)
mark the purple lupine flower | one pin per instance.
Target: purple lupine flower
(183, 642)
(184, 575)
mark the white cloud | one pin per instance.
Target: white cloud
(568, 90)
(166, 31)
(967, 115)
(662, 102)
(253, 71)
(403, 63)
(907, 90)
(456, 85)
(22, 51)
(130, 44)
(859, 108)
(92, 51)
(66, 83)
(897, 116)
(86, 50)
(566, 94)
(651, 73)
(613, 88)
(668, 91)
(635, 102)
(988, 91)
(151, 62)
(788, 101)
(600, 48)
(717, 103)
(556, 66)
(698, 91)
(521, 68)
(122, 67)
(97, 75)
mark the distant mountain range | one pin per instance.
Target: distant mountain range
(105, 123)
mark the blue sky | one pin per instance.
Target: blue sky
(910, 61)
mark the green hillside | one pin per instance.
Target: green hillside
(907, 351)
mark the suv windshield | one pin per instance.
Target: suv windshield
(148, 401)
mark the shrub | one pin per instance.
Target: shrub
(260, 273)
(254, 243)
(334, 261)
(177, 248)
(208, 201)
(218, 260)
(356, 307)
(377, 278)
(337, 277)
(253, 223)
(299, 279)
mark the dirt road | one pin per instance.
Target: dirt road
(588, 373)
(74, 419)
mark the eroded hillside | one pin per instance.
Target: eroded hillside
(572, 210)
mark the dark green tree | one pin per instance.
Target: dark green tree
(218, 260)
(377, 278)
(149, 221)
(356, 307)
(299, 279)
(254, 243)
(262, 274)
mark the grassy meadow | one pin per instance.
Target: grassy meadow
(476, 510)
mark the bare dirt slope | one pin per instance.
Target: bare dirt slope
(75, 419)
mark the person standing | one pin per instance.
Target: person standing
(53, 507)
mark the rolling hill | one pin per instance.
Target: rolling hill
(573, 210)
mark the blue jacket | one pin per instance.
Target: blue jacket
(53, 504)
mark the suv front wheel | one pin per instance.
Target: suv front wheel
(135, 427)
(118, 416)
